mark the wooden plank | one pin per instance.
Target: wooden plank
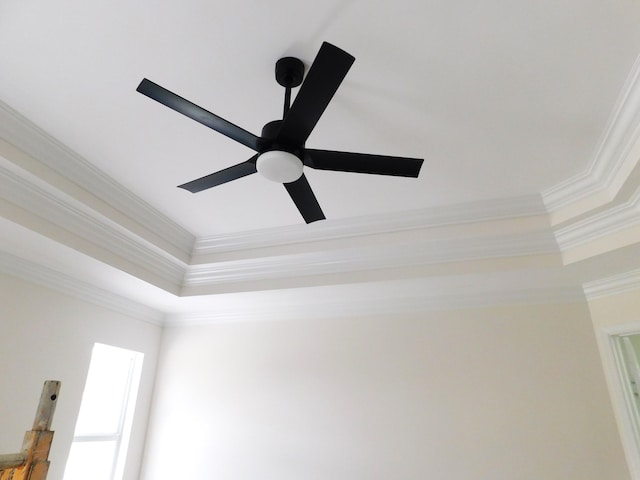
(19, 473)
(6, 474)
(12, 460)
(32, 462)
(47, 405)
(36, 445)
(38, 471)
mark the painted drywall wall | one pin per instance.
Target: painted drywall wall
(497, 393)
(616, 310)
(46, 335)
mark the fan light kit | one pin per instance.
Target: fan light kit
(281, 153)
(279, 166)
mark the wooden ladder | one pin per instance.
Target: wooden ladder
(32, 462)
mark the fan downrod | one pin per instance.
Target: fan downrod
(289, 74)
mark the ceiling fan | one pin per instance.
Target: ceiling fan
(281, 152)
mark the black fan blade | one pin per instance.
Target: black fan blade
(223, 176)
(362, 163)
(199, 114)
(325, 76)
(302, 195)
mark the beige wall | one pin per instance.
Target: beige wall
(615, 310)
(494, 394)
(46, 335)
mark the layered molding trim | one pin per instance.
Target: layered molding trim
(67, 285)
(612, 163)
(46, 202)
(420, 253)
(453, 300)
(26, 136)
(29, 138)
(27, 190)
(86, 224)
(487, 210)
(612, 160)
(614, 285)
(605, 223)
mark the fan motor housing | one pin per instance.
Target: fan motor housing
(270, 134)
(271, 129)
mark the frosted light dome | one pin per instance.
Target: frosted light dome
(279, 166)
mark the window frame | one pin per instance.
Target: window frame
(122, 434)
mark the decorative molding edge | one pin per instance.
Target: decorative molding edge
(600, 225)
(614, 285)
(46, 202)
(454, 300)
(60, 282)
(486, 210)
(71, 216)
(621, 133)
(34, 141)
(421, 253)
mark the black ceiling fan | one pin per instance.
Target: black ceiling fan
(281, 152)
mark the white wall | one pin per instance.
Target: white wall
(496, 394)
(45, 335)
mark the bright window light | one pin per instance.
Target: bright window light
(104, 423)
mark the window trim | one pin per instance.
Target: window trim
(123, 433)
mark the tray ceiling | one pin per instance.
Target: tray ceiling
(527, 116)
(501, 100)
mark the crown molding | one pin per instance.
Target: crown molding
(485, 210)
(72, 217)
(420, 253)
(450, 298)
(81, 227)
(612, 159)
(35, 142)
(60, 282)
(455, 299)
(600, 225)
(614, 285)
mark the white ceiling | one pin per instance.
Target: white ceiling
(527, 115)
(501, 99)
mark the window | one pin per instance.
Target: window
(104, 423)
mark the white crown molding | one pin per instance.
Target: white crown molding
(611, 160)
(90, 231)
(485, 210)
(35, 142)
(605, 223)
(614, 285)
(452, 300)
(18, 188)
(422, 252)
(67, 285)
(452, 297)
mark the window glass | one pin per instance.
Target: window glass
(94, 457)
(105, 391)
(106, 413)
